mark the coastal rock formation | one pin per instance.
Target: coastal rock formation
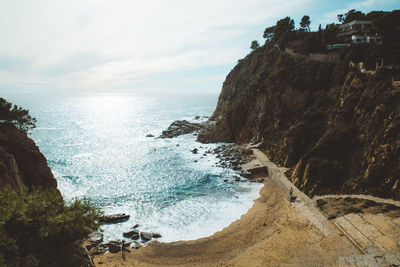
(134, 234)
(115, 218)
(338, 129)
(181, 127)
(22, 165)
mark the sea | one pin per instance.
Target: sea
(96, 147)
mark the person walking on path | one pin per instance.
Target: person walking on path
(290, 194)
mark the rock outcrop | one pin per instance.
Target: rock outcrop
(115, 218)
(22, 165)
(181, 127)
(336, 128)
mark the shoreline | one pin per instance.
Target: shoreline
(271, 232)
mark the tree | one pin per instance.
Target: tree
(353, 15)
(340, 18)
(305, 23)
(254, 45)
(320, 33)
(269, 34)
(350, 16)
(387, 24)
(38, 228)
(283, 27)
(17, 116)
(329, 35)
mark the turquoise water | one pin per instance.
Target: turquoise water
(97, 148)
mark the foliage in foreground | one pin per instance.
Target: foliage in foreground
(17, 116)
(39, 229)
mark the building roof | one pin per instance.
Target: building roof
(355, 22)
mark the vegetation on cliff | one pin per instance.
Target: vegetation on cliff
(37, 228)
(16, 116)
(335, 123)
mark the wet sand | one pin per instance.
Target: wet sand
(272, 233)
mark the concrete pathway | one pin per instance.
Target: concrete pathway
(303, 203)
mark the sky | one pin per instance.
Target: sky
(141, 46)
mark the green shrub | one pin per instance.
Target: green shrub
(38, 228)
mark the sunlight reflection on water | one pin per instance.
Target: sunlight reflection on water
(96, 147)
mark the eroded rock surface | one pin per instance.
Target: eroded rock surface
(21, 163)
(336, 128)
(181, 127)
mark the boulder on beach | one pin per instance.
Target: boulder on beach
(115, 218)
(94, 239)
(114, 246)
(255, 167)
(146, 236)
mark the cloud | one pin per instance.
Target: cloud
(97, 43)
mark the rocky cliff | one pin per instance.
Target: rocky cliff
(21, 163)
(336, 128)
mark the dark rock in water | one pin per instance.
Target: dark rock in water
(131, 233)
(245, 174)
(156, 235)
(195, 150)
(149, 135)
(94, 239)
(146, 236)
(197, 118)
(115, 218)
(225, 180)
(237, 178)
(135, 226)
(135, 236)
(181, 127)
(195, 161)
(177, 144)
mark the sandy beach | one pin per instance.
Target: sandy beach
(273, 232)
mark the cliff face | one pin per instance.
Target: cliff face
(337, 129)
(21, 163)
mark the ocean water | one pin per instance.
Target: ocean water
(97, 148)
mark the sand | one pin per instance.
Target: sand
(272, 233)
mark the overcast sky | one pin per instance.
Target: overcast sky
(132, 46)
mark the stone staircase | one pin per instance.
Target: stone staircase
(376, 235)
